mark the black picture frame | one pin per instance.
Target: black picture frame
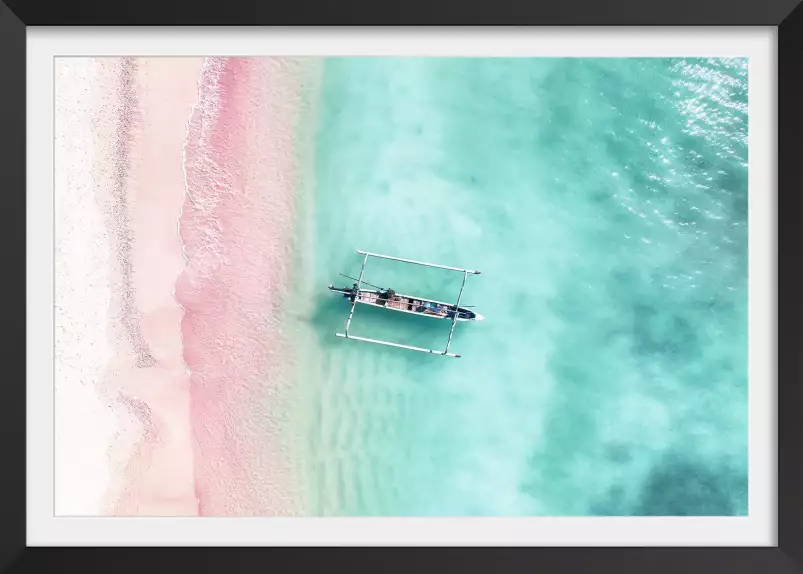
(15, 15)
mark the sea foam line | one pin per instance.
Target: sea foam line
(182, 247)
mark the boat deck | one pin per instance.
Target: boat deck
(399, 303)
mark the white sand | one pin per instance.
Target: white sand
(85, 423)
(123, 436)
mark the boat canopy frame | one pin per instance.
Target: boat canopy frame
(445, 352)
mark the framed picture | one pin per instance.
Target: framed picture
(496, 277)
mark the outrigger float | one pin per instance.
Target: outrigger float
(390, 299)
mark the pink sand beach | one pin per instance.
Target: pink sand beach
(236, 230)
(157, 477)
(192, 181)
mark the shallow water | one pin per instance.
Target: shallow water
(605, 202)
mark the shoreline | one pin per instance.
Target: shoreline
(303, 277)
(173, 379)
(236, 230)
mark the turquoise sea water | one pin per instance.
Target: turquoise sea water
(605, 201)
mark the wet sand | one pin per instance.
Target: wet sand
(152, 381)
(236, 228)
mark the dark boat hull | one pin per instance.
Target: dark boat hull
(407, 304)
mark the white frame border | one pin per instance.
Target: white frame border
(758, 44)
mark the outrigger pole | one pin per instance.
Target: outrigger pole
(418, 262)
(456, 313)
(354, 303)
(399, 345)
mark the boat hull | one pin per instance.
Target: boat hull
(408, 304)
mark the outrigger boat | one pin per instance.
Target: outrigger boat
(390, 299)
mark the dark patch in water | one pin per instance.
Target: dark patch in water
(657, 334)
(618, 453)
(682, 487)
